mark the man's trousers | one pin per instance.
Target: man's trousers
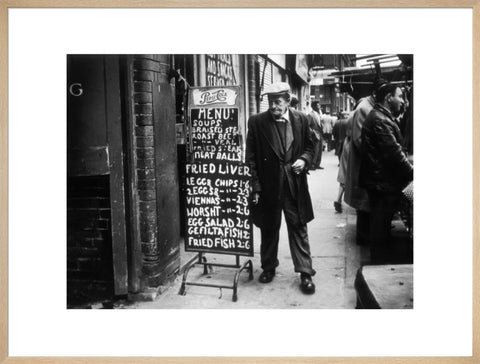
(363, 227)
(297, 237)
(382, 208)
(318, 151)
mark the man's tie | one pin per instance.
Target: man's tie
(288, 133)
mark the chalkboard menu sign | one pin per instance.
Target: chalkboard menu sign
(217, 180)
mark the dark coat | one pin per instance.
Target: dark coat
(355, 196)
(267, 167)
(384, 167)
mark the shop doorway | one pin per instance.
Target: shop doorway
(96, 222)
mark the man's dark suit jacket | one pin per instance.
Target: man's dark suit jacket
(265, 157)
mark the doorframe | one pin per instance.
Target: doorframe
(134, 248)
(113, 109)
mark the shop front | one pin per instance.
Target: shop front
(128, 146)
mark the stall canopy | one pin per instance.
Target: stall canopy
(358, 81)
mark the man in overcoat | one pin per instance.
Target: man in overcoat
(279, 152)
(356, 196)
(385, 169)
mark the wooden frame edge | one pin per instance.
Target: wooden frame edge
(6, 4)
(3, 184)
(476, 179)
(240, 4)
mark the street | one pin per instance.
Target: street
(335, 255)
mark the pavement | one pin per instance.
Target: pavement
(336, 258)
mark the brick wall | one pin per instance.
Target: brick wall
(159, 250)
(143, 76)
(89, 239)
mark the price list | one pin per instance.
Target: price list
(217, 185)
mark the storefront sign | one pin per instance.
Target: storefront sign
(217, 181)
(220, 71)
(212, 96)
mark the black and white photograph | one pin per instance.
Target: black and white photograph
(223, 182)
(239, 181)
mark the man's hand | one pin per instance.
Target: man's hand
(298, 166)
(255, 197)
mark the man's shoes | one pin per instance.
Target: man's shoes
(266, 276)
(320, 167)
(338, 206)
(307, 286)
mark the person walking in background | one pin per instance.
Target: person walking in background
(327, 126)
(294, 102)
(334, 118)
(342, 149)
(339, 133)
(315, 117)
(279, 151)
(385, 170)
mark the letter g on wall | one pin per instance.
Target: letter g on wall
(75, 89)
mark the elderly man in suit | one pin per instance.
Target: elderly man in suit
(279, 152)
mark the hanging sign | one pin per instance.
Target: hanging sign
(217, 180)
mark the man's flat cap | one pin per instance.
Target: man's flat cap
(278, 88)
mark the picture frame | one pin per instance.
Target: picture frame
(474, 5)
